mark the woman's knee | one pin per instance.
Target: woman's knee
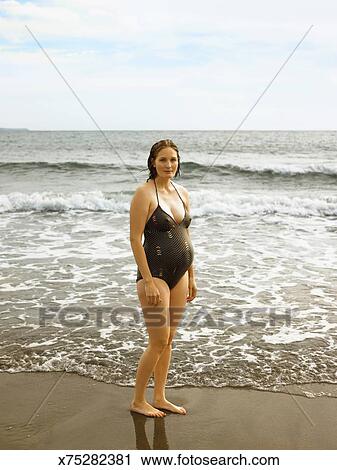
(159, 345)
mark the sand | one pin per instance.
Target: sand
(58, 410)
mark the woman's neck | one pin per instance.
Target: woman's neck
(163, 183)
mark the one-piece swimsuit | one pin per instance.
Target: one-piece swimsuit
(167, 245)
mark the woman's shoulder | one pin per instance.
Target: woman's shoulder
(145, 185)
(143, 189)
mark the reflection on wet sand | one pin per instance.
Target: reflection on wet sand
(160, 441)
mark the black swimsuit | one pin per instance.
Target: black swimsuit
(167, 245)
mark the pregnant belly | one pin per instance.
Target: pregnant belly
(172, 253)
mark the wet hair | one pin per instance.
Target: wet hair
(155, 149)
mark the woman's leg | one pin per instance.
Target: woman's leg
(177, 307)
(157, 324)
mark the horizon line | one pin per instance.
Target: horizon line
(23, 129)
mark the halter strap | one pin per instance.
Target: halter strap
(174, 188)
(178, 194)
(156, 190)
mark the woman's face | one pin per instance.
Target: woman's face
(166, 162)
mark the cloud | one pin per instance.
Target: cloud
(204, 63)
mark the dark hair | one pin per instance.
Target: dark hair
(155, 149)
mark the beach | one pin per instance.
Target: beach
(264, 236)
(254, 358)
(57, 410)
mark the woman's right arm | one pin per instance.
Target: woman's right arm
(138, 214)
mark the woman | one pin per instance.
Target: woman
(165, 276)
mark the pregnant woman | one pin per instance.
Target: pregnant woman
(165, 276)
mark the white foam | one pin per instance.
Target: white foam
(211, 202)
(288, 335)
(42, 343)
(204, 202)
(49, 201)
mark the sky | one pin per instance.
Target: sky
(168, 64)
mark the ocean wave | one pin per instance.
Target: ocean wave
(60, 202)
(263, 169)
(189, 168)
(203, 202)
(63, 166)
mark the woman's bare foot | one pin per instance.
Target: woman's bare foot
(146, 409)
(167, 405)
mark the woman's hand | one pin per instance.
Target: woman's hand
(192, 289)
(152, 293)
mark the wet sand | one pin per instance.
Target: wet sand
(58, 410)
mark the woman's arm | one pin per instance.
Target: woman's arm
(191, 268)
(138, 213)
(191, 271)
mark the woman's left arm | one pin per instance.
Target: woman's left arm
(188, 208)
(191, 268)
(192, 288)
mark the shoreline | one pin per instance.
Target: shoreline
(61, 410)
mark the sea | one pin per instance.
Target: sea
(264, 232)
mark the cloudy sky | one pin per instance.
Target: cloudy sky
(168, 64)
